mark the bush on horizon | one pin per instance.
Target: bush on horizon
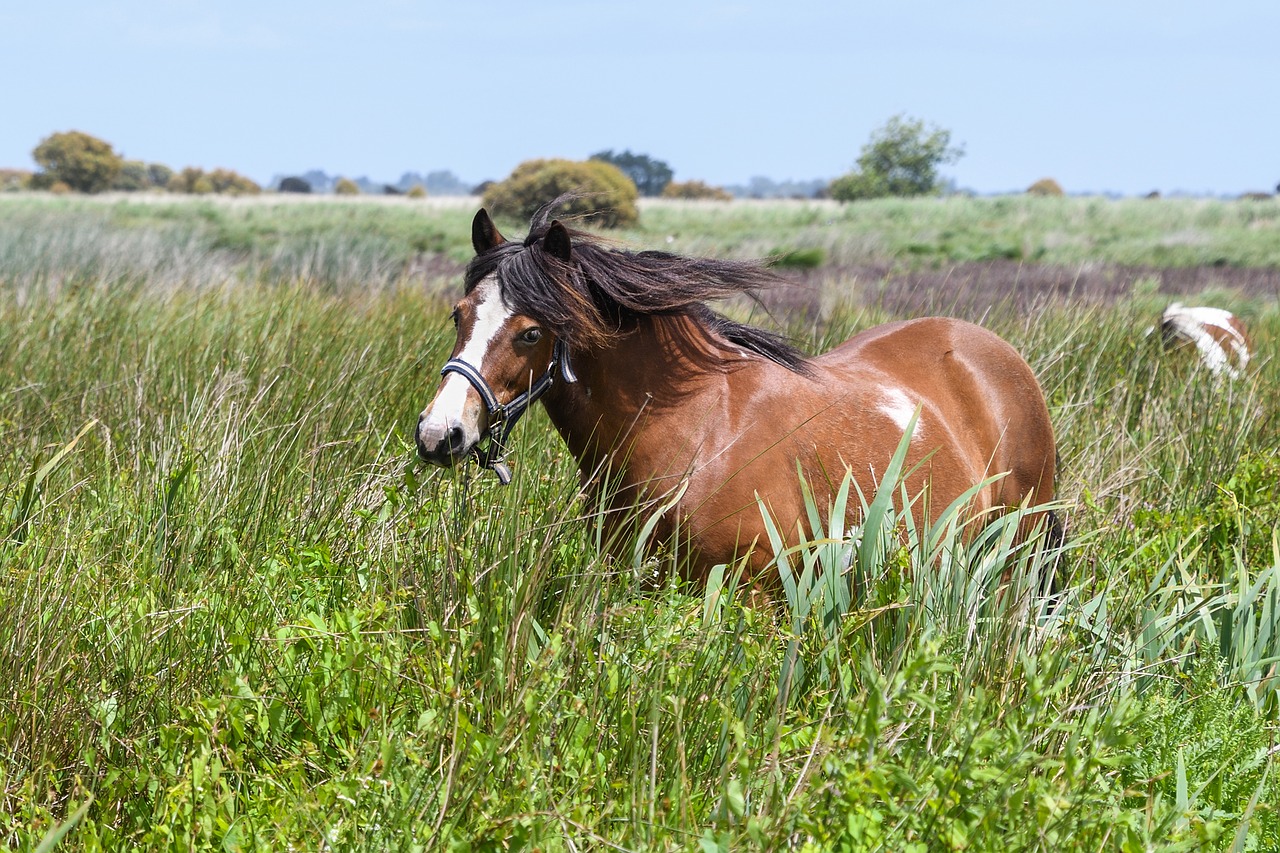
(1046, 187)
(605, 196)
(697, 191)
(82, 162)
(196, 181)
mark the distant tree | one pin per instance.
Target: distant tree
(696, 190)
(320, 182)
(230, 182)
(388, 189)
(760, 186)
(901, 159)
(445, 182)
(346, 186)
(84, 163)
(133, 177)
(417, 191)
(191, 180)
(1046, 187)
(435, 183)
(225, 181)
(607, 197)
(649, 175)
(294, 185)
(159, 174)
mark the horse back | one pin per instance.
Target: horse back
(978, 397)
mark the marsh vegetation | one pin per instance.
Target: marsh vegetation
(235, 612)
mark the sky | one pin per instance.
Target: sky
(1123, 96)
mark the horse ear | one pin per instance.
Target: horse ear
(557, 243)
(484, 234)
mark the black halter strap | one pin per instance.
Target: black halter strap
(502, 418)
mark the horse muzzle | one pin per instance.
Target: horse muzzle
(441, 442)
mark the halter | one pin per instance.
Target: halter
(502, 418)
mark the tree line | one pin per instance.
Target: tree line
(73, 161)
(901, 159)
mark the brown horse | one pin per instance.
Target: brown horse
(681, 408)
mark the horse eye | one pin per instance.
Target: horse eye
(531, 336)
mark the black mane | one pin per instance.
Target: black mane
(587, 301)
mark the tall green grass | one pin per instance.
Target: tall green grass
(1066, 231)
(235, 613)
(355, 241)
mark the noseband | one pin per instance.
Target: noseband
(502, 418)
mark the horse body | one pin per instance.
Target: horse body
(672, 409)
(720, 439)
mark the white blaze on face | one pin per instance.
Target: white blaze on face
(898, 407)
(448, 409)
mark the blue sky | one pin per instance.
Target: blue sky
(1123, 96)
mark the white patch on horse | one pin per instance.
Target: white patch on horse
(1192, 324)
(898, 407)
(491, 313)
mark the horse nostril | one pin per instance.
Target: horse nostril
(456, 441)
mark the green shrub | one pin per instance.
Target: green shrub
(84, 163)
(856, 186)
(417, 191)
(1046, 187)
(159, 175)
(346, 186)
(294, 184)
(233, 183)
(186, 181)
(697, 190)
(606, 196)
(198, 182)
(133, 177)
(807, 259)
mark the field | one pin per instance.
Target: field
(236, 614)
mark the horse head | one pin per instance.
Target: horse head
(502, 361)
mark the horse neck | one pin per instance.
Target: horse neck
(630, 386)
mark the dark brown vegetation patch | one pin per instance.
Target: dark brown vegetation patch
(972, 288)
(968, 289)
